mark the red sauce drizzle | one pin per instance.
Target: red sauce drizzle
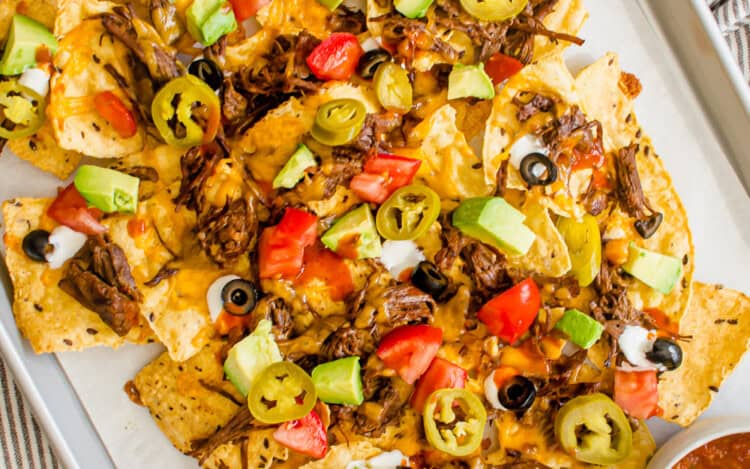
(136, 227)
(320, 263)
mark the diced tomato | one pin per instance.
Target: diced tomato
(324, 264)
(383, 174)
(281, 248)
(510, 314)
(636, 392)
(399, 169)
(370, 187)
(70, 209)
(500, 67)
(244, 9)
(335, 58)
(441, 374)
(410, 349)
(306, 435)
(114, 111)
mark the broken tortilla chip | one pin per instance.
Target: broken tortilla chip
(295, 16)
(42, 150)
(718, 324)
(52, 320)
(188, 400)
(548, 254)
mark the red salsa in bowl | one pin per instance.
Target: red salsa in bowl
(728, 452)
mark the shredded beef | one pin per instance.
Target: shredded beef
(280, 314)
(233, 104)
(285, 70)
(372, 418)
(595, 200)
(99, 278)
(489, 36)
(235, 430)
(217, 52)
(344, 20)
(630, 192)
(144, 173)
(529, 108)
(405, 304)
(308, 362)
(347, 341)
(164, 273)
(225, 233)
(161, 63)
(165, 20)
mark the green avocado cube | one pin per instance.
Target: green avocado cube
(470, 81)
(581, 329)
(25, 38)
(294, 169)
(412, 8)
(248, 357)
(331, 4)
(339, 381)
(494, 221)
(209, 20)
(107, 189)
(354, 235)
(656, 270)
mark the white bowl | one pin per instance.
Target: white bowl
(697, 435)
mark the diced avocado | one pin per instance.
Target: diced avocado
(656, 270)
(339, 381)
(354, 235)
(250, 356)
(494, 221)
(294, 169)
(412, 8)
(581, 329)
(470, 81)
(107, 189)
(208, 20)
(331, 4)
(25, 38)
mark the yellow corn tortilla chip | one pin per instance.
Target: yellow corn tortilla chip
(548, 254)
(41, 10)
(259, 449)
(449, 164)
(341, 455)
(294, 16)
(249, 52)
(52, 320)
(188, 400)
(718, 321)
(42, 150)
(604, 98)
(80, 75)
(568, 16)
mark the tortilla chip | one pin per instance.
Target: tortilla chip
(449, 164)
(568, 17)
(52, 320)
(548, 254)
(188, 400)
(259, 448)
(603, 99)
(644, 447)
(72, 12)
(248, 52)
(340, 455)
(295, 16)
(80, 63)
(42, 150)
(41, 10)
(718, 320)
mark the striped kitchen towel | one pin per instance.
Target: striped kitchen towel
(23, 444)
(733, 17)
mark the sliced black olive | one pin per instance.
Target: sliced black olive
(239, 297)
(35, 245)
(646, 228)
(370, 61)
(429, 279)
(208, 71)
(666, 353)
(538, 170)
(518, 393)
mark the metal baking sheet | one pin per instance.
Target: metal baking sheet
(693, 108)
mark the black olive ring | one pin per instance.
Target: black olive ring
(533, 160)
(208, 72)
(370, 62)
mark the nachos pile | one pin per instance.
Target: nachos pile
(381, 234)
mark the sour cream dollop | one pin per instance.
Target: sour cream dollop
(65, 243)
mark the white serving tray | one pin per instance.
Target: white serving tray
(78, 397)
